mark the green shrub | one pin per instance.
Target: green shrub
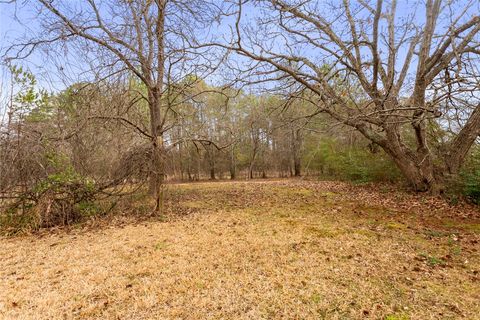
(355, 163)
(472, 186)
(468, 181)
(61, 198)
(13, 220)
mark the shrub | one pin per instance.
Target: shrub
(353, 163)
(60, 199)
(472, 186)
(468, 181)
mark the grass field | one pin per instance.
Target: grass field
(287, 249)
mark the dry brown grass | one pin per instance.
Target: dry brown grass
(258, 250)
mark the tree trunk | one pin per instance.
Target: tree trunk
(420, 178)
(296, 152)
(197, 174)
(252, 163)
(157, 172)
(250, 171)
(212, 172)
(181, 162)
(463, 142)
(297, 167)
(233, 166)
(189, 173)
(156, 121)
(211, 162)
(416, 166)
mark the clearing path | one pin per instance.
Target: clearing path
(287, 249)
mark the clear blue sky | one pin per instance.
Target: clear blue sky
(11, 29)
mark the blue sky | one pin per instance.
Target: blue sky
(10, 29)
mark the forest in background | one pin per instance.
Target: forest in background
(90, 141)
(376, 94)
(239, 159)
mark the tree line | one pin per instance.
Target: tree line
(250, 88)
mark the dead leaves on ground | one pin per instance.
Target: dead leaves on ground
(256, 250)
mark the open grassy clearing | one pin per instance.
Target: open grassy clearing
(287, 249)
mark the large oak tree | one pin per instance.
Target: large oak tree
(397, 74)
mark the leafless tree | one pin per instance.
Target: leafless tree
(143, 38)
(390, 71)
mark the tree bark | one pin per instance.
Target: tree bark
(296, 152)
(157, 170)
(252, 163)
(420, 176)
(233, 166)
(155, 101)
(212, 172)
(462, 143)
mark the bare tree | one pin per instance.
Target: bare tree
(391, 74)
(142, 38)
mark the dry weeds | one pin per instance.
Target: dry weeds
(259, 250)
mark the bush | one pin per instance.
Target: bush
(60, 199)
(355, 163)
(472, 187)
(469, 177)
